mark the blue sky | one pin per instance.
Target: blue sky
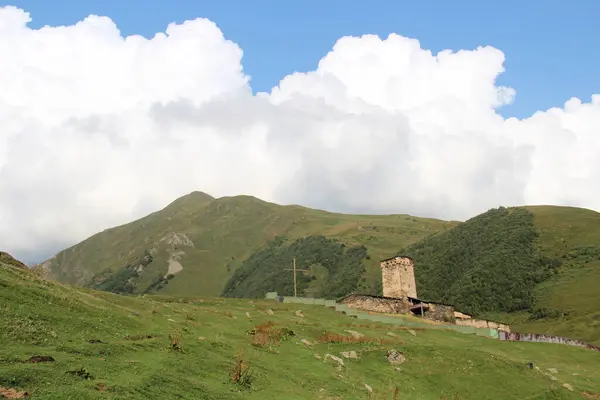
(552, 47)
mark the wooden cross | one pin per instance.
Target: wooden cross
(294, 269)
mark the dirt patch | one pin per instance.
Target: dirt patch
(82, 373)
(39, 359)
(140, 337)
(11, 393)
(590, 396)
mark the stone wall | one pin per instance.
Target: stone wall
(534, 337)
(377, 304)
(398, 277)
(482, 323)
(439, 312)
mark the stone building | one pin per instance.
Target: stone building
(398, 277)
(400, 297)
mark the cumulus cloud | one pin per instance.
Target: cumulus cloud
(97, 129)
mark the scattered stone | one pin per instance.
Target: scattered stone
(334, 358)
(412, 332)
(172, 320)
(10, 393)
(339, 368)
(355, 335)
(568, 387)
(299, 314)
(529, 365)
(248, 314)
(392, 334)
(201, 338)
(39, 359)
(553, 370)
(369, 388)
(575, 374)
(349, 354)
(135, 313)
(318, 357)
(395, 357)
(398, 369)
(270, 312)
(306, 342)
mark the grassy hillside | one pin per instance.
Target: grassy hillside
(534, 267)
(107, 346)
(209, 238)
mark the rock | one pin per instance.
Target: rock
(334, 358)
(553, 370)
(568, 387)
(172, 320)
(270, 312)
(349, 354)
(412, 332)
(529, 365)
(201, 338)
(392, 334)
(395, 357)
(248, 315)
(299, 314)
(318, 357)
(369, 388)
(306, 342)
(355, 335)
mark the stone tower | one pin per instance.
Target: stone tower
(398, 277)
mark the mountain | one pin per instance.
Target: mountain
(194, 245)
(61, 342)
(536, 268)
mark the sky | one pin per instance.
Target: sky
(109, 110)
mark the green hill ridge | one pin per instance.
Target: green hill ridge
(536, 268)
(63, 342)
(202, 241)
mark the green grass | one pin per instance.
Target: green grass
(225, 232)
(135, 359)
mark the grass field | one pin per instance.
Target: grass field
(107, 346)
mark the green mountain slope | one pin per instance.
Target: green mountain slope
(334, 269)
(107, 346)
(534, 267)
(196, 243)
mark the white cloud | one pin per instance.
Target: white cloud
(97, 129)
